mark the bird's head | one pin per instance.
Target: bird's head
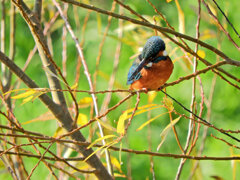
(153, 46)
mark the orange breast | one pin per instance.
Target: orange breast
(155, 76)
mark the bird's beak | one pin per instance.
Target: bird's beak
(139, 68)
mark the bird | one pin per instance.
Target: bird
(152, 68)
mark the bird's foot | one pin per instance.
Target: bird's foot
(145, 90)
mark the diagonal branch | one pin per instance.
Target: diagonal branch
(64, 117)
(38, 9)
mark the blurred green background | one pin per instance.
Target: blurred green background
(225, 112)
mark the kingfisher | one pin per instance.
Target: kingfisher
(152, 68)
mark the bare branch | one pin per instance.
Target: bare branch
(61, 115)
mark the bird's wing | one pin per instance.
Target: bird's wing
(132, 69)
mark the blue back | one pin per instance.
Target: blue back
(131, 70)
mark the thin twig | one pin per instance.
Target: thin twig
(133, 113)
(39, 161)
(42, 159)
(115, 65)
(61, 115)
(201, 119)
(94, 98)
(229, 144)
(145, 152)
(220, 25)
(226, 18)
(192, 106)
(161, 29)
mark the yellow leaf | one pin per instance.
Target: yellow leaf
(201, 53)
(82, 165)
(106, 125)
(145, 106)
(98, 149)
(187, 62)
(44, 117)
(119, 175)
(207, 34)
(25, 94)
(168, 103)
(86, 100)
(125, 115)
(37, 95)
(213, 9)
(120, 125)
(30, 94)
(82, 119)
(109, 145)
(100, 139)
(2, 165)
(151, 96)
(16, 90)
(166, 130)
(168, 1)
(145, 110)
(99, 23)
(149, 121)
(149, 106)
(58, 132)
(27, 99)
(180, 18)
(74, 86)
(141, 111)
(116, 163)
